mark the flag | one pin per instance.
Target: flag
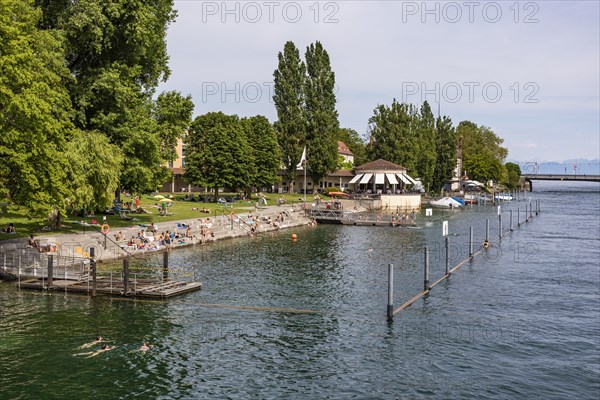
(302, 158)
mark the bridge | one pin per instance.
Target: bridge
(526, 179)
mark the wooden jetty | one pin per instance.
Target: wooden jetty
(146, 288)
(81, 275)
(332, 216)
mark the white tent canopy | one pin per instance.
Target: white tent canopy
(379, 179)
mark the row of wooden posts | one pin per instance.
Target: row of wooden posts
(93, 272)
(426, 284)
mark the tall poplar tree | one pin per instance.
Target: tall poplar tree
(289, 79)
(445, 160)
(322, 123)
(426, 154)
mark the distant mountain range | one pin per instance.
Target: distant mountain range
(578, 166)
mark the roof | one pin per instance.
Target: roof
(380, 165)
(343, 149)
(342, 172)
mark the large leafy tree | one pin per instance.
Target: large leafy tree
(483, 155)
(355, 143)
(266, 156)
(322, 123)
(34, 112)
(513, 175)
(289, 89)
(95, 170)
(394, 134)
(445, 144)
(173, 114)
(116, 53)
(218, 153)
(426, 154)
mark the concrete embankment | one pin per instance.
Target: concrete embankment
(77, 245)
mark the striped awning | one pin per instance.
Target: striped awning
(379, 179)
(366, 178)
(410, 179)
(356, 178)
(403, 179)
(391, 179)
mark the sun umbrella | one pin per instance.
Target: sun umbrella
(339, 194)
(165, 201)
(158, 197)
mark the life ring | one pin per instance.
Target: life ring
(105, 229)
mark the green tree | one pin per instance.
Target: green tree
(483, 155)
(289, 79)
(116, 53)
(513, 175)
(445, 161)
(218, 153)
(394, 135)
(95, 170)
(321, 116)
(355, 143)
(483, 168)
(35, 112)
(266, 155)
(173, 114)
(426, 154)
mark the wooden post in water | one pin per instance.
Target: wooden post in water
(471, 241)
(426, 269)
(165, 265)
(390, 303)
(487, 230)
(511, 225)
(537, 207)
(526, 219)
(105, 241)
(518, 217)
(447, 254)
(93, 270)
(530, 210)
(50, 271)
(500, 225)
(126, 276)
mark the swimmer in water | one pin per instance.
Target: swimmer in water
(105, 347)
(145, 347)
(99, 339)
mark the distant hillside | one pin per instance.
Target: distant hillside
(579, 166)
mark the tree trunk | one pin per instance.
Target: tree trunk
(57, 220)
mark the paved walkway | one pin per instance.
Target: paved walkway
(78, 245)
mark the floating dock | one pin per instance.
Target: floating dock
(146, 288)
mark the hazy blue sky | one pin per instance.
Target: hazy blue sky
(528, 70)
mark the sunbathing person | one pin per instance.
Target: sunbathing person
(145, 347)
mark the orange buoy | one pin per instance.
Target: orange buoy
(294, 236)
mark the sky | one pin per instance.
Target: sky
(529, 70)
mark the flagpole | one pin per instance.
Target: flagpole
(305, 183)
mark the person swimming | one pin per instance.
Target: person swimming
(145, 347)
(99, 339)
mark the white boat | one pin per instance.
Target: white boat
(446, 202)
(503, 197)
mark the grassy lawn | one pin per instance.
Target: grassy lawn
(181, 209)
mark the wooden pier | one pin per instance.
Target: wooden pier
(144, 288)
(333, 216)
(81, 275)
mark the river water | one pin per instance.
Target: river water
(520, 321)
